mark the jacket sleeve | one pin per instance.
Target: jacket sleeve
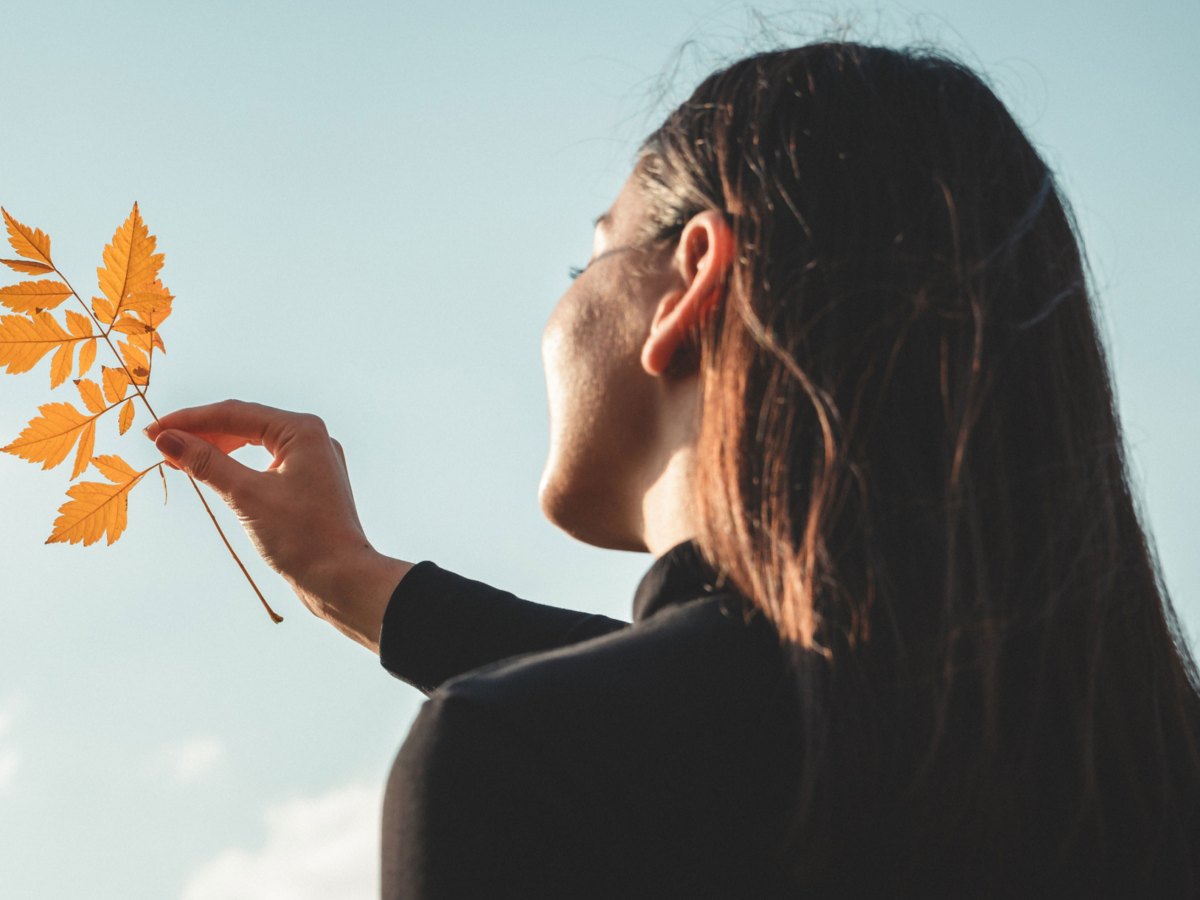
(472, 810)
(439, 624)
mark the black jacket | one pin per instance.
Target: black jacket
(562, 754)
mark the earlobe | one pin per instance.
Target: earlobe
(662, 343)
(703, 258)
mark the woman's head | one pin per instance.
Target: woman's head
(906, 451)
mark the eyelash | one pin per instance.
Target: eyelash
(574, 272)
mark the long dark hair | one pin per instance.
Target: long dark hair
(910, 461)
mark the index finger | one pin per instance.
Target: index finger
(253, 422)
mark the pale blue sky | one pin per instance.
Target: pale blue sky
(368, 211)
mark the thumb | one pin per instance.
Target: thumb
(202, 460)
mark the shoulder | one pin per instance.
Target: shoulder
(709, 646)
(643, 714)
(636, 742)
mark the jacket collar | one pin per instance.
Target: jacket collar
(679, 575)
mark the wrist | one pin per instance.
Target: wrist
(352, 592)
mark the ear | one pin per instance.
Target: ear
(702, 260)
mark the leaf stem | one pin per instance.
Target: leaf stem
(275, 617)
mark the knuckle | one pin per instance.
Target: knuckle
(201, 462)
(226, 409)
(312, 423)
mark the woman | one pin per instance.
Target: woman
(834, 363)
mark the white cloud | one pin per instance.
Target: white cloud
(195, 757)
(10, 757)
(316, 848)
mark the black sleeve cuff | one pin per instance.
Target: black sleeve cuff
(439, 624)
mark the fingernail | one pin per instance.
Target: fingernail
(169, 445)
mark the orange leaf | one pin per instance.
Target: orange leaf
(30, 296)
(130, 325)
(147, 339)
(95, 510)
(114, 468)
(93, 397)
(129, 260)
(133, 356)
(126, 416)
(131, 303)
(79, 324)
(116, 383)
(24, 341)
(48, 438)
(87, 442)
(27, 266)
(152, 303)
(31, 243)
(87, 356)
(103, 310)
(61, 365)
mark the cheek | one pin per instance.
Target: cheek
(568, 357)
(590, 360)
(554, 358)
(573, 343)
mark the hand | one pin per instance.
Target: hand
(299, 513)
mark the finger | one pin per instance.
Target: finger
(203, 461)
(226, 443)
(256, 423)
(235, 417)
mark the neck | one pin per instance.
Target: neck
(668, 506)
(668, 510)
